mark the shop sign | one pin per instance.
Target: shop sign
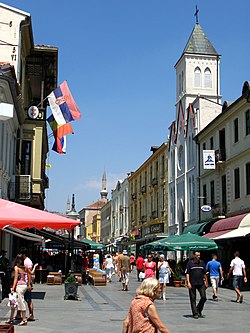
(156, 228)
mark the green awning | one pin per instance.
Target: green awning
(199, 228)
(94, 245)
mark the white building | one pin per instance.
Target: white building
(197, 104)
(119, 214)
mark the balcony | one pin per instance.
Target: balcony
(154, 214)
(21, 189)
(133, 196)
(154, 182)
(143, 189)
(144, 218)
(220, 155)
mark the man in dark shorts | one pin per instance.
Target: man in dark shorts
(196, 280)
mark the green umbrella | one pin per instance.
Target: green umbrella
(159, 244)
(192, 242)
(94, 245)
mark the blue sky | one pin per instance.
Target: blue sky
(118, 58)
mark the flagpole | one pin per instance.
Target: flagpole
(42, 101)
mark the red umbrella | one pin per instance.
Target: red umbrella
(20, 216)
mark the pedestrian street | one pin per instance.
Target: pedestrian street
(102, 309)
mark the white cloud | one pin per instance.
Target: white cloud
(95, 183)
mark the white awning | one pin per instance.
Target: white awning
(239, 232)
(242, 230)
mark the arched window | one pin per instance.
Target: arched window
(207, 78)
(197, 77)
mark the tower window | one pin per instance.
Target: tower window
(207, 78)
(197, 77)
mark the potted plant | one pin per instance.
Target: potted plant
(177, 275)
(71, 287)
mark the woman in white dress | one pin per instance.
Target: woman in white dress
(109, 267)
(164, 274)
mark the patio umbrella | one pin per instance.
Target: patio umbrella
(94, 245)
(21, 217)
(159, 244)
(192, 242)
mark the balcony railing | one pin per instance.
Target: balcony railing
(133, 196)
(143, 189)
(154, 181)
(144, 218)
(154, 214)
(220, 155)
(21, 188)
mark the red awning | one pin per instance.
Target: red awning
(223, 226)
(21, 217)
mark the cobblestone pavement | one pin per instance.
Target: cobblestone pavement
(102, 309)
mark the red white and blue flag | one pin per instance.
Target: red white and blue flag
(59, 145)
(63, 106)
(64, 110)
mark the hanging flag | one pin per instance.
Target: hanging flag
(62, 105)
(60, 145)
(59, 130)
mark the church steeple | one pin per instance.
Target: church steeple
(104, 192)
(197, 70)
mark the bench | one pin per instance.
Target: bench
(97, 277)
(54, 278)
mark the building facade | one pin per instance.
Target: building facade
(148, 195)
(31, 72)
(106, 223)
(226, 188)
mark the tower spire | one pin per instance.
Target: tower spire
(104, 192)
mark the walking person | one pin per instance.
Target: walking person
(237, 267)
(139, 266)
(164, 274)
(124, 264)
(108, 265)
(132, 261)
(142, 315)
(150, 267)
(28, 294)
(196, 280)
(214, 269)
(20, 285)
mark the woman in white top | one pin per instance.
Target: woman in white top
(164, 273)
(109, 267)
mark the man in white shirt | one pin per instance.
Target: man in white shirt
(238, 268)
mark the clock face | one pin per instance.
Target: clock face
(33, 112)
(180, 158)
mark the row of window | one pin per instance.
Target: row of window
(236, 132)
(237, 187)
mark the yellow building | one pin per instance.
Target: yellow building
(148, 193)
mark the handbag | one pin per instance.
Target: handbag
(12, 300)
(141, 275)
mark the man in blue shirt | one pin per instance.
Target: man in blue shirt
(214, 268)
